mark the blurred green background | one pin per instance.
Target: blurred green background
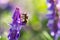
(35, 29)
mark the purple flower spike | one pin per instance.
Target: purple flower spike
(54, 19)
(52, 24)
(16, 25)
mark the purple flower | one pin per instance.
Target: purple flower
(50, 16)
(16, 17)
(50, 24)
(14, 34)
(58, 24)
(52, 7)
